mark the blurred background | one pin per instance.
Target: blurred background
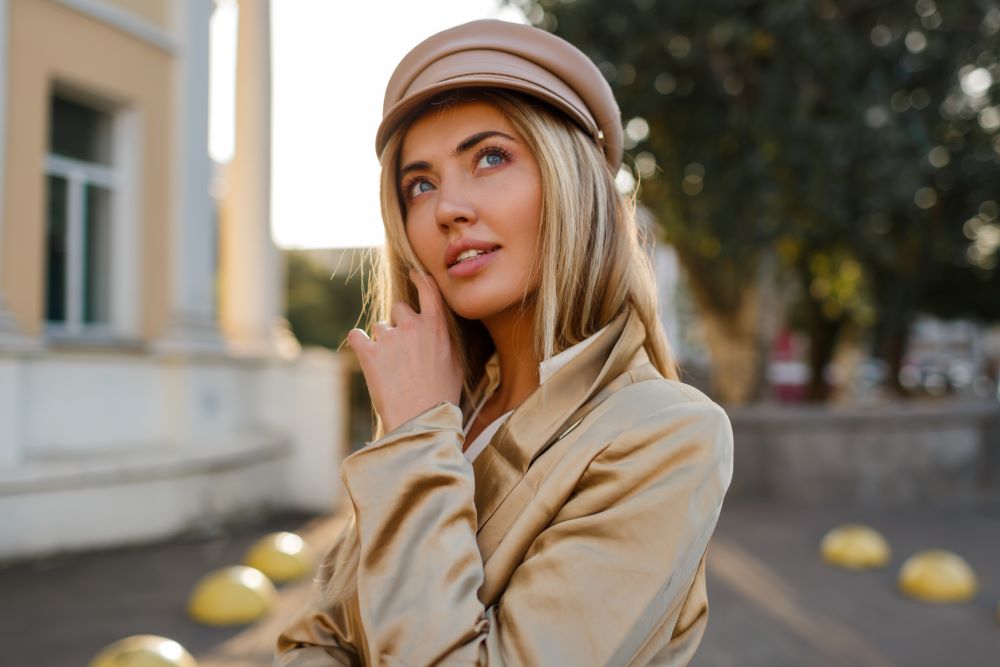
(188, 198)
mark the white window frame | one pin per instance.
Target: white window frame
(121, 180)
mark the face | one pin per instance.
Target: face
(472, 193)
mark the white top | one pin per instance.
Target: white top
(546, 369)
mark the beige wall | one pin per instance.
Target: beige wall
(49, 43)
(156, 12)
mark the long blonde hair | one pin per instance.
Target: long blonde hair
(592, 261)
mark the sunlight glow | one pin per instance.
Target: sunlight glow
(222, 81)
(331, 62)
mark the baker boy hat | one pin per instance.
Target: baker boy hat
(498, 54)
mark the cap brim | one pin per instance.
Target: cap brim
(405, 108)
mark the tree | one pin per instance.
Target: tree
(845, 142)
(321, 308)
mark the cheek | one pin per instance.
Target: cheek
(423, 244)
(528, 213)
(531, 233)
(531, 201)
(524, 247)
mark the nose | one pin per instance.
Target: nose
(454, 207)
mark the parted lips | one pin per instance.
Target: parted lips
(498, 54)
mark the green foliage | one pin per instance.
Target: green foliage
(855, 138)
(321, 308)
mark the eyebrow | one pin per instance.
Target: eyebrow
(477, 137)
(462, 147)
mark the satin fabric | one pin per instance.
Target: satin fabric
(577, 537)
(546, 369)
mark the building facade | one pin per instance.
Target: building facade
(148, 383)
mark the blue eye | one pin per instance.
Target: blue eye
(492, 159)
(418, 187)
(492, 156)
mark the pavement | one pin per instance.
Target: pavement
(772, 601)
(61, 611)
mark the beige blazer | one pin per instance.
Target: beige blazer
(577, 537)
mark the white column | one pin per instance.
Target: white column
(10, 335)
(193, 325)
(253, 275)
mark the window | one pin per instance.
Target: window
(80, 195)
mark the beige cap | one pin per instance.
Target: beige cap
(497, 54)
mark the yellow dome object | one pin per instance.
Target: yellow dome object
(231, 596)
(855, 546)
(144, 651)
(281, 556)
(937, 576)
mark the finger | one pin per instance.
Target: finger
(401, 312)
(359, 341)
(380, 329)
(427, 292)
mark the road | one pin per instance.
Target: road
(773, 602)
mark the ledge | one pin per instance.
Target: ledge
(890, 454)
(911, 413)
(60, 473)
(125, 21)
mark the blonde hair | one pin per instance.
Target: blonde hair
(592, 261)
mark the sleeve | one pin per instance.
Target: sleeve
(321, 636)
(610, 572)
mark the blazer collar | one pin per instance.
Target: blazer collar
(543, 416)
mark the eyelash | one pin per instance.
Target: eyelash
(494, 148)
(407, 186)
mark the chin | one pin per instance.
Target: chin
(476, 311)
(481, 308)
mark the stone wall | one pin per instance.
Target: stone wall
(903, 453)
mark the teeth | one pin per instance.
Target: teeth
(469, 254)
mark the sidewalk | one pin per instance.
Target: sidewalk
(773, 602)
(61, 611)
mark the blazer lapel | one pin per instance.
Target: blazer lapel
(550, 410)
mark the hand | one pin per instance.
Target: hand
(410, 366)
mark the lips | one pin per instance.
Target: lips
(457, 247)
(469, 268)
(466, 255)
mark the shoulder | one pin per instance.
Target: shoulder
(658, 399)
(658, 417)
(667, 392)
(655, 438)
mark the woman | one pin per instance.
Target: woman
(542, 489)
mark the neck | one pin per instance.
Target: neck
(513, 334)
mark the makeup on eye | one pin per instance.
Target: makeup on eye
(463, 146)
(492, 151)
(487, 157)
(407, 187)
